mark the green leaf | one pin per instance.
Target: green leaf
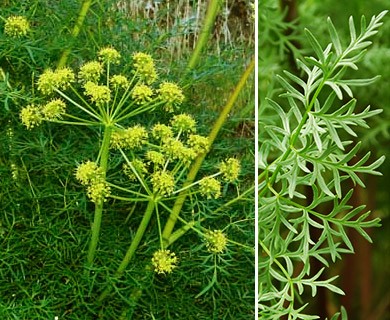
(315, 45)
(334, 37)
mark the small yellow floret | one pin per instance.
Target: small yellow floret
(53, 110)
(142, 93)
(163, 183)
(144, 67)
(216, 241)
(16, 26)
(119, 81)
(171, 95)
(109, 55)
(183, 122)
(97, 93)
(164, 261)
(210, 187)
(31, 116)
(130, 138)
(90, 71)
(230, 169)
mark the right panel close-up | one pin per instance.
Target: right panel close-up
(323, 144)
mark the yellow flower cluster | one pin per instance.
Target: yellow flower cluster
(183, 122)
(175, 149)
(142, 93)
(109, 55)
(199, 143)
(90, 71)
(31, 116)
(171, 95)
(92, 176)
(98, 94)
(230, 169)
(216, 241)
(58, 79)
(162, 132)
(119, 81)
(163, 183)
(210, 187)
(144, 67)
(155, 157)
(53, 110)
(130, 138)
(164, 261)
(16, 26)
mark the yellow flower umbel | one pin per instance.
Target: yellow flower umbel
(90, 71)
(174, 149)
(142, 94)
(216, 241)
(163, 183)
(230, 169)
(171, 95)
(91, 175)
(97, 93)
(59, 79)
(119, 81)
(109, 55)
(183, 122)
(162, 132)
(144, 67)
(130, 138)
(164, 261)
(88, 171)
(210, 187)
(31, 116)
(98, 190)
(16, 26)
(53, 110)
(199, 143)
(155, 157)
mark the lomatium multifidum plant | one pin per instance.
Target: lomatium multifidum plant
(306, 157)
(155, 159)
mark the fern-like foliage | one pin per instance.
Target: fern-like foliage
(309, 146)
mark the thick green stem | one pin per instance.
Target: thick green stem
(170, 224)
(75, 32)
(212, 11)
(104, 151)
(133, 246)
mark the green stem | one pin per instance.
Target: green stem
(212, 11)
(104, 151)
(170, 224)
(133, 246)
(75, 32)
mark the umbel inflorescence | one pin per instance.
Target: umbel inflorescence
(155, 157)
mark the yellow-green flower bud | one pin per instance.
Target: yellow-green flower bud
(162, 132)
(59, 79)
(97, 93)
(164, 261)
(230, 169)
(90, 71)
(142, 94)
(155, 157)
(109, 55)
(199, 143)
(171, 95)
(53, 110)
(87, 172)
(98, 190)
(130, 138)
(16, 26)
(210, 187)
(31, 116)
(163, 183)
(183, 122)
(216, 241)
(144, 67)
(119, 81)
